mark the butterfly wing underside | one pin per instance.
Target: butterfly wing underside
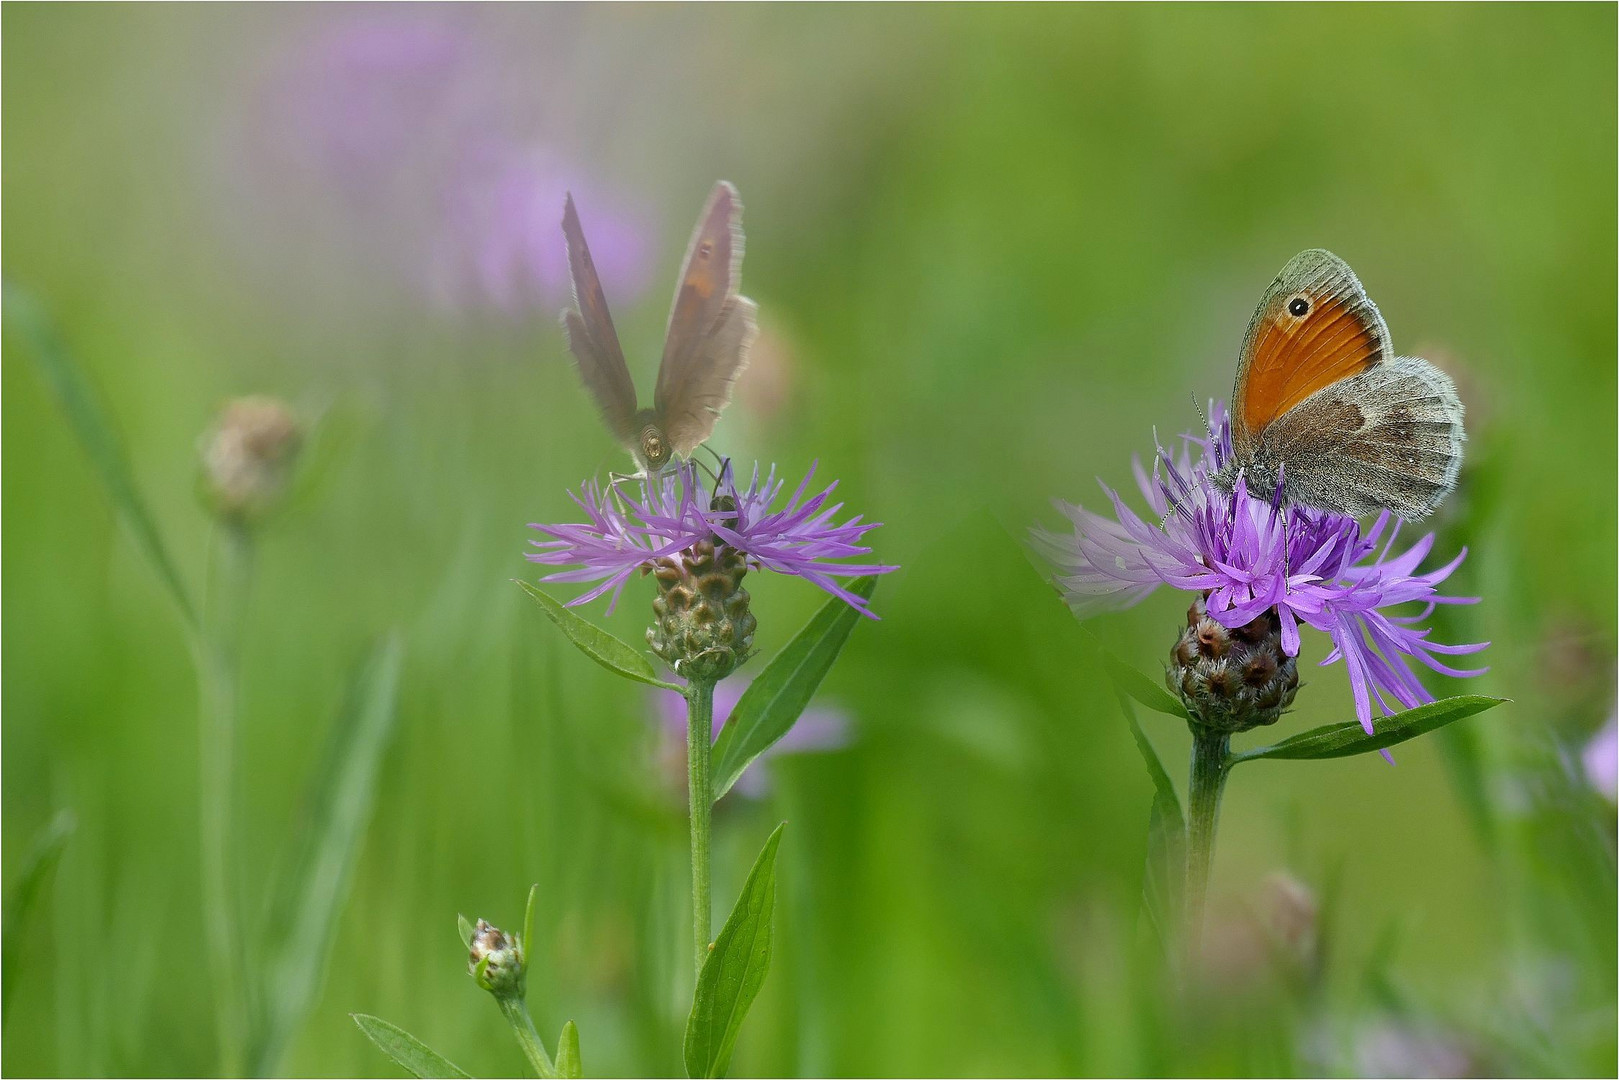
(1286, 357)
(711, 327)
(1322, 401)
(592, 339)
(1389, 438)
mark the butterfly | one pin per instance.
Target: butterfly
(1326, 412)
(711, 328)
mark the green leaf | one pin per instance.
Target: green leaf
(1147, 691)
(94, 429)
(1348, 739)
(528, 917)
(37, 866)
(310, 895)
(465, 929)
(1164, 877)
(734, 970)
(610, 652)
(569, 1066)
(774, 700)
(407, 1050)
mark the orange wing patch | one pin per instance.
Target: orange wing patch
(1293, 358)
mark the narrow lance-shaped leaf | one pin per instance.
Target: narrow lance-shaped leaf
(569, 1064)
(1132, 682)
(43, 855)
(409, 1052)
(338, 808)
(610, 652)
(734, 971)
(465, 929)
(90, 423)
(1164, 875)
(527, 939)
(774, 700)
(1348, 739)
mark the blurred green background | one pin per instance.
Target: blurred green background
(993, 247)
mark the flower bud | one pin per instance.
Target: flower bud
(703, 628)
(1232, 679)
(247, 457)
(496, 962)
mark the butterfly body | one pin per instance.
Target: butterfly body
(711, 328)
(1324, 411)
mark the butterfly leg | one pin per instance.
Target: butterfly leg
(1287, 551)
(616, 478)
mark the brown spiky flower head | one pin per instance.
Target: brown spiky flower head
(1232, 678)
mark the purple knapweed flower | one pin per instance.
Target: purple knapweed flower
(818, 728)
(632, 523)
(1248, 554)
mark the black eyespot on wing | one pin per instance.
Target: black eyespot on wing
(1298, 307)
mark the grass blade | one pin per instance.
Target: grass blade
(310, 895)
(409, 1052)
(734, 971)
(569, 1065)
(774, 700)
(37, 866)
(91, 424)
(1348, 739)
(610, 652)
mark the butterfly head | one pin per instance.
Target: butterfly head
(653, 448)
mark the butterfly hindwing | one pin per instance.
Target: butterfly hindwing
(1389, 438)
(1315, 327)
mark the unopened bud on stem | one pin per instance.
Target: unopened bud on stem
(247, 457)
(495, 960)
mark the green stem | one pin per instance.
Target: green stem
(700, 787)
(527, 1037)
(215, 650)
(1210, 750)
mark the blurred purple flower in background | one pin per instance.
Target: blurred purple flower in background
(370, 95)
(1249, 554)
(501, 242)
(413, 132)
(817, 729)
(1601, 760)
(633, 523)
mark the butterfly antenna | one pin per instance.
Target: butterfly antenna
(714, 472)
(1203, 417)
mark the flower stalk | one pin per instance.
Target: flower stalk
(528, 1037)
(1210, 750)
(217, 649)
(700, 787)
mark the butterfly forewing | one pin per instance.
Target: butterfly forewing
(591, 337)
(710, 327)
(1314, 327)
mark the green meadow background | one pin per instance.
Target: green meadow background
(994, 248)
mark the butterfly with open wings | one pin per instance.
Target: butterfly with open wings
(711, 327)
(1326, 412)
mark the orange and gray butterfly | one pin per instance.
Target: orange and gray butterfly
(711, 327)
(1323, 406)
(592, 339)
